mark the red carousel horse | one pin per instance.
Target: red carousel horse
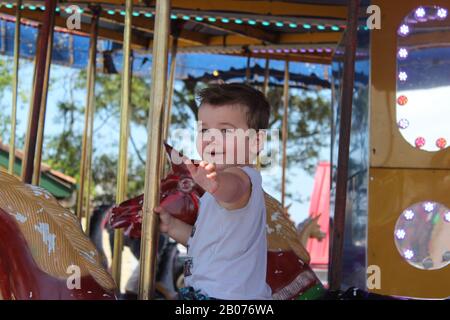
(288, 271)
(44, 254)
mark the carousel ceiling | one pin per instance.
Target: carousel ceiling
(296, 30)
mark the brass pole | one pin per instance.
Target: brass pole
(346, 102)
(121, 190)
(12, 141)
(86, 147)
(168, 109)
(285, 132)
(154, 149)
(266, 77)
(47, 25)
(41, 124)
(32, 87)
(91, 102)
(171, 83)
(265, 91)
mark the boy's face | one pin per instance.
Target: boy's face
(223, 135)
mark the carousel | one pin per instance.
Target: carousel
(387, 181)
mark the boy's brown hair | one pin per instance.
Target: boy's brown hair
(258, 108)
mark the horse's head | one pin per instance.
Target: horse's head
(179, 195)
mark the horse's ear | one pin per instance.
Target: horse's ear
(175, 158)
(317, 217)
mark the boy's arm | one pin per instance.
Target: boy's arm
(233, 189)
(180, 231)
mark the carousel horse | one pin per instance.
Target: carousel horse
(169, 265)
(288, 271)
(310, 228)
(44, 254)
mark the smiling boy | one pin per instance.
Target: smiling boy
(227, 246)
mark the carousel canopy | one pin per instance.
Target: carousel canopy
(304, 30)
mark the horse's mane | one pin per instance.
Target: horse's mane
(52, 233)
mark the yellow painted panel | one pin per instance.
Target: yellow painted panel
(388, 147)
(390, 192)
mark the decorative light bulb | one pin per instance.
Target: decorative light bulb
(400, 234)
(409, 254)
(403, 123)
(447, 216)
(403, 53)
(428, 206)
(420, 12)
(441, 143)
(402, 100)
(442, 13)
(409, 214)
(404, 30)
(402, 76)
(420, 142)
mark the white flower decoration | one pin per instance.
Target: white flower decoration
(402, 76)
(420, 12)
(409, 214)
(403, 53)
(409, 254)
(400, 234)
(447, 216)
(404, 29)
(429, 206)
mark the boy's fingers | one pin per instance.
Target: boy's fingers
(203, 164)
(211, 175)
(160, 211)
(210, 167)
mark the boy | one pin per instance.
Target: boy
(227, 246)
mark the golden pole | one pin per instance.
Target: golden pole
(285, 132)
(12, 141)
(168, 110)
(91, 103)
(30, 146)
(121, 190)
(32, 89)
(265, 91)
(154, 149)
(171, 83)
(266, 77)
(86, 147)
(41, 124)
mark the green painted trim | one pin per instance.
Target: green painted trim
(57, 189)
(314, 293)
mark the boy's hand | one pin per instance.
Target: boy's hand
(165, 219)
(176, 229)
(205, 175)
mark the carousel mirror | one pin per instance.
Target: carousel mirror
(422, 235)
(423, 84)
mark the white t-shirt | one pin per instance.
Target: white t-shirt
(227, 251)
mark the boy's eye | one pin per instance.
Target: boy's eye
(204, 130)
(228, 130)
